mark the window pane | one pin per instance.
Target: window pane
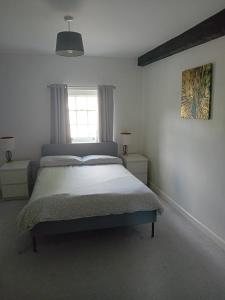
(92, 103)
(83, 114)
(92, 131)
(91, 140)
(72, 116)
(92, 117)
(82, 117)
(71, 103)
(73, 131)
(82, 131)
(81, 103)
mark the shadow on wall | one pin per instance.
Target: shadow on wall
(180, 161)
(2, 160)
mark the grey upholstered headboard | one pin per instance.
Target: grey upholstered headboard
(106, 148)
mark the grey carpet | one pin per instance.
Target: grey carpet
(179, 263)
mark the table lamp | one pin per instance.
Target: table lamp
(7, 145)
(125, 141)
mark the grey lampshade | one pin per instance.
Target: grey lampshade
(69, 44)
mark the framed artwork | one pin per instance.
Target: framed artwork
(196, 92)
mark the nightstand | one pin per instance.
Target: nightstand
(14, 180)
(138, 165)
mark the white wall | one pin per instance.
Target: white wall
(188, 156)
(24, 96)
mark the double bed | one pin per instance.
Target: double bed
(85, 187)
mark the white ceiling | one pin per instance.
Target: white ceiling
(110, 28)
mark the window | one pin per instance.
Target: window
(83, 115)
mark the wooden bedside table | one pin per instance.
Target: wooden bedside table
(14, 180)
(138, 165)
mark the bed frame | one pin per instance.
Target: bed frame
(90, 223)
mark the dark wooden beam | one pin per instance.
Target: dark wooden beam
(210, 29)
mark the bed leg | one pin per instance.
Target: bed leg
(153, 229)
(34, 243)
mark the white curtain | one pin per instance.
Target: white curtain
(60, 128)
(106, 110)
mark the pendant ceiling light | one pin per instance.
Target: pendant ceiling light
(69, 43)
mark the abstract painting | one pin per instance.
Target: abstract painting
(196, 93)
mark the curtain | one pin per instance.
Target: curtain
(60, 127)
(106, 109)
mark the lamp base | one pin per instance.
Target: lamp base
(8, 156)
(125, 149)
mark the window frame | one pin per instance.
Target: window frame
(79, 92)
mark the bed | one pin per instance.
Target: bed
(88, 195)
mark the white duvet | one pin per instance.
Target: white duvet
(72, 192)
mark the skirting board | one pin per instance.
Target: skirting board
(212, 235)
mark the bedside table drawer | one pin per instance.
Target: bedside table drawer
(14, 191)
(137, 167)
(11, 177)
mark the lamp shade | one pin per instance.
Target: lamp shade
(7, 143)
(125, 138)
(69, 44)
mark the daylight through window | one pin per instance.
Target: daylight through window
(83, 115)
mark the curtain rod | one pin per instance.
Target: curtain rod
(82, 86)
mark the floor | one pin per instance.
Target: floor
(179, 263)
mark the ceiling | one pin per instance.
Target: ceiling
(110, 28)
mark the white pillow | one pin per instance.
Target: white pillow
(60, 160)
(101, 160)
